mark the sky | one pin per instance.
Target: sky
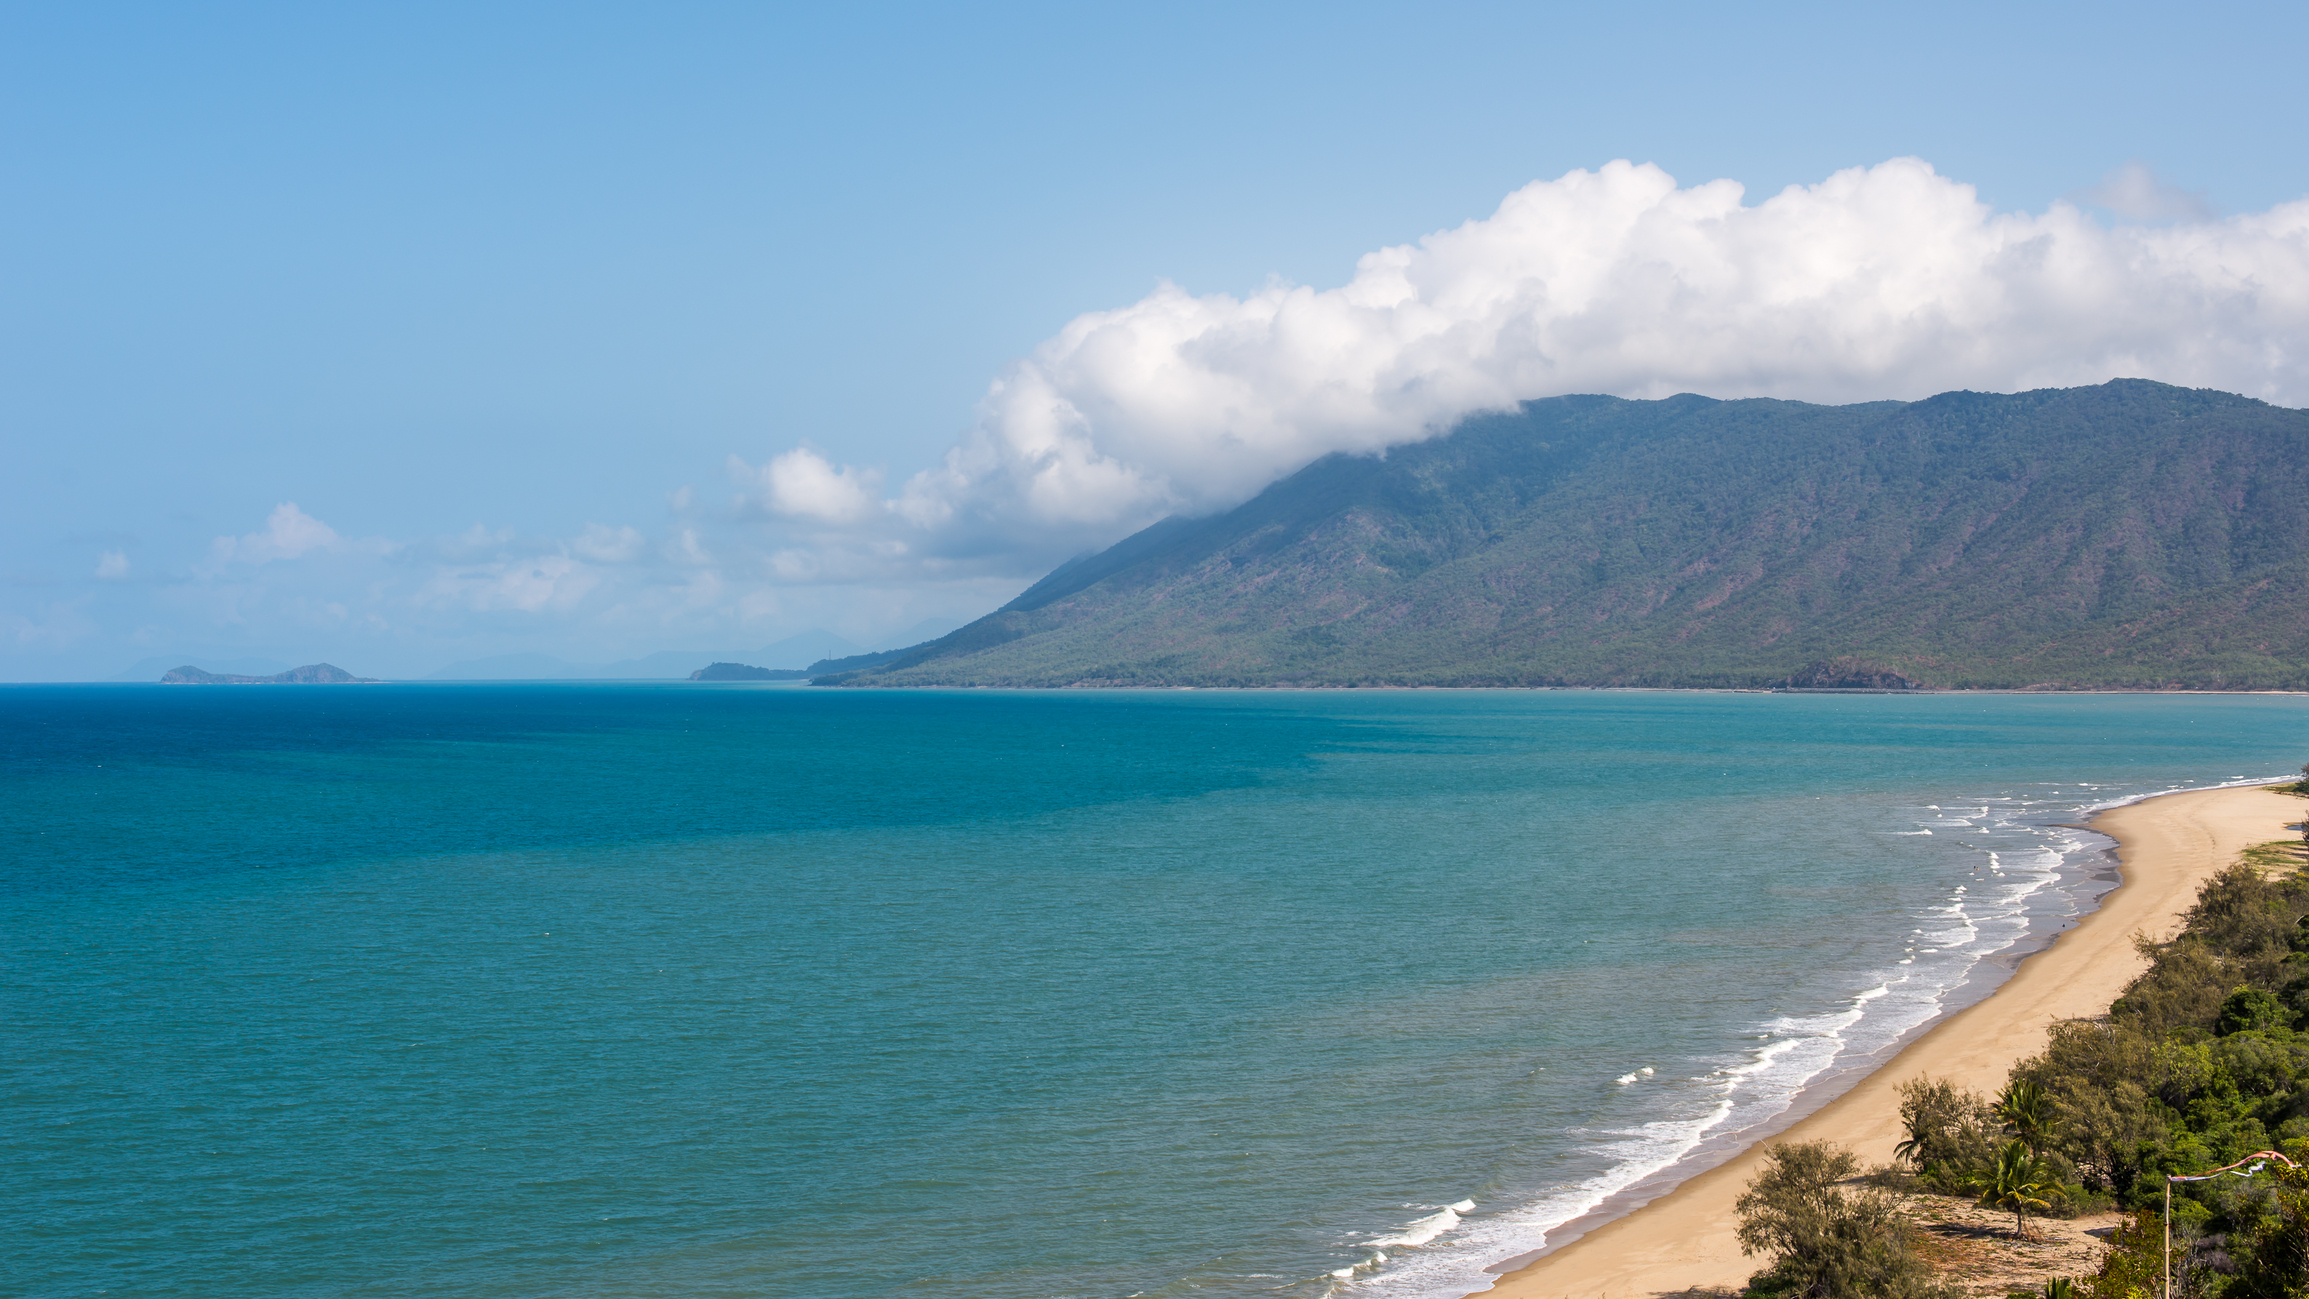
(403, 336)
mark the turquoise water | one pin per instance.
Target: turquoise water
(733, 990)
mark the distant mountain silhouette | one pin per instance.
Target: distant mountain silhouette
(2129, 535)
(149, 668)
(312, 674)
(665, 665)
(741, 672)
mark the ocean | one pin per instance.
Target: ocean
(704, 990)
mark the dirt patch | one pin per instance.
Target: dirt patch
(1975, 1248)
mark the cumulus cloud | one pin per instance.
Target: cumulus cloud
(112, 565)
(289, 532)
(1882, 282)
(2135, 191)
(802, 484)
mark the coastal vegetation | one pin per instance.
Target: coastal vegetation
(1826, 1239)
(2202, 1063)
(2130, 535)
(743, 672)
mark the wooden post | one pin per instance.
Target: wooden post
(2168, 1237)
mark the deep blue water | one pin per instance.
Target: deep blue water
(714, 990)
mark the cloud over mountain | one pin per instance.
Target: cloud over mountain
(1883, 282)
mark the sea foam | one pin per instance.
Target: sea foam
(2040, 877)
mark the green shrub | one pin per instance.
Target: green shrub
(2271, 1250)
(2133, 1267)
(1952, 1134)
(2251, 1008)
(1826, 1241)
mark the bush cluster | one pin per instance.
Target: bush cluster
(1826, 1241)
(2202, 1062)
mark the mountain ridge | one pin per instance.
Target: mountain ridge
(2129, 535)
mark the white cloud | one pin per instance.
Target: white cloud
(801, 484)
(2135, 191)
(289, 532)
(1883, 282)
(112, 565)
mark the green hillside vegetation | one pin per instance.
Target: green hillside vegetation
(744, 672)
(2130, 535)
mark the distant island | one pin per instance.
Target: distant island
(312, 674)
(742, 672)
(2127, 536)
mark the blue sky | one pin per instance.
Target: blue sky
(493, 295)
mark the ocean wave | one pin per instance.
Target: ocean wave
(1421, 1230)
(2024, 892)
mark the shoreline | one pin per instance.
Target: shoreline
(1683, 1236)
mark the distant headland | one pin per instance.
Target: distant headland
(744, 672)
(312, 674)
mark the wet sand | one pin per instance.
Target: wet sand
(2166, 847)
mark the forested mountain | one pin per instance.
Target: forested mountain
(2128, 535)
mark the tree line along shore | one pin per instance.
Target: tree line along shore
(2191, 1091)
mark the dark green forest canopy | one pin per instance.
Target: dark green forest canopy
(2130, 535)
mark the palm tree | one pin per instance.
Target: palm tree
(2012, 1184)
(2026, 1113)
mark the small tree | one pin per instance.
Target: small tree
(2026, 1112)
(1824, 1241)
(2251, 1008)
(1950, 1132)
(2012, 1184)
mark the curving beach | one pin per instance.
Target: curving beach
(2166, 846)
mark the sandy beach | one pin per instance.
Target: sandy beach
(2166, 848)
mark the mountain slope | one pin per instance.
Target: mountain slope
(2127, 535)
